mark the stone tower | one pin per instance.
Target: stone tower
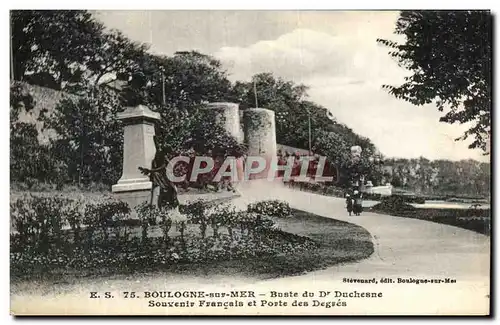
(259, 128)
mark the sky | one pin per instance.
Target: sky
(334, 53)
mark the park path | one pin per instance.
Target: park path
(404, 248)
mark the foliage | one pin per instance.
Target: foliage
(38, 223)
(197, 213)
(29, 160)
(194, 78)
(190, 80)
(184, 133)
(395, 203)
(183, 81)
(79, 56)
(273, 208)
(51, 47)
(98, 237)
(104, 215)
(222, 215)
(45, 224)
(89, 138)
(177, 87)
(288, 101)
(20, 98)
(440, 177)
(115, 57)
(449, 54)
(151, 215)
(320, 188)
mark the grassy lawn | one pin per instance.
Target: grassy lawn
(337, 242)
(478, 220)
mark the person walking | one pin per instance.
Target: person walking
(348, 202)
(358, 203)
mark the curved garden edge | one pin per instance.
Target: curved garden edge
(337, 242)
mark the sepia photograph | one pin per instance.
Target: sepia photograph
(250, 162)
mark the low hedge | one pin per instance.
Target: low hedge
(55, 234)
(320, 188)
(478, 220)
(273, 208)
(403, 198)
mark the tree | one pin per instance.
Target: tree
(289, 102)
(292, 111)
(113, 57)
(89, 140)
(449, 53)
(188, 81)
(440, 177)
(51, 47)
(20, 98)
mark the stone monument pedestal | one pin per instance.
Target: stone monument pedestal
(138, 151)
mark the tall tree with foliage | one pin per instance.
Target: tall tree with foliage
(178, 87)
(289, 102)
(51, 47)
(89, 140)
(440, 177)
(449, 53)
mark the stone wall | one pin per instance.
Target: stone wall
(45, 99)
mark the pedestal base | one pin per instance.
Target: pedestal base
(134, 199)
(133, 193)
(131, 186)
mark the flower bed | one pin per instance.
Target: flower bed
(274, 208)
(56, 235)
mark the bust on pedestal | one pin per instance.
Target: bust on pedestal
(138, 151)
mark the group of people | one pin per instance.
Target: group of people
(354, 203)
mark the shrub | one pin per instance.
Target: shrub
(222, 215)
(373, 196)
(152, 215)
(252, 223)
(103, 215)
(39, 221)
(146, 214)
(103, 241)
(229, 217)
(73, 215)
(197, 213)
(394, 203)
(473, 219)
(274, 208)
